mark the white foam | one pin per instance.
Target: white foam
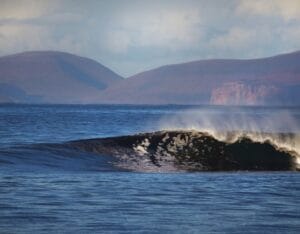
(229, 127)
(142, 148)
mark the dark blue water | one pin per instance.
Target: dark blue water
(51, 189)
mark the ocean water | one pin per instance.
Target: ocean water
(46, 186)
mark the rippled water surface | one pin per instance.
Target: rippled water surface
(52, 191)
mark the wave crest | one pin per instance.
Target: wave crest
(196, 151)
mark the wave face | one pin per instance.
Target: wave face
(193, 151)
(50, 157)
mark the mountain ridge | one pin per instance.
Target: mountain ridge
(261, 81)
(274, 80)
(52, 77)
(216, 60)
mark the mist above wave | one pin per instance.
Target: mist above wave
(162, 151)
(235, 123)
(210, 139)
(191, 151)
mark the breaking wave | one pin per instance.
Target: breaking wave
(205, 139)
(162, 151)
(197, 151)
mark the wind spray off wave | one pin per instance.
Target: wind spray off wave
(207, 140)
(190, 151)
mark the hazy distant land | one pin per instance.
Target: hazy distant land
(57, 77)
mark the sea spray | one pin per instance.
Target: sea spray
(281, 128)
(190, 150)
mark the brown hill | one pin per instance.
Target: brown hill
(56, 77)
(52, 77)
(267, 81)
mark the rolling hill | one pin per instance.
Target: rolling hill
(267, 81)
(52, 77)
(56, 77)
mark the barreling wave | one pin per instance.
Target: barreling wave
(162, 151)
(197, 151)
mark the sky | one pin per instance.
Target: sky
(130, 36)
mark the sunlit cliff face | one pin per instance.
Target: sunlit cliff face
(238, 93)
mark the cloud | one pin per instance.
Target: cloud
(25, 9)
(253, 42)
(286, 9)
(25, 37)
(132, 35)
(172, 29)
(237, 38)
(290, 37)
(37, 25)
(21, 37)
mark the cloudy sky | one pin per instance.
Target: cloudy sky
(130, 36)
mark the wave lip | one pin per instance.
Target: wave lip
(192, 151)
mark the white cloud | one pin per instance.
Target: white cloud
(237, 38)
(25, 9)
(171, 29)
(21, 37)
(290, 37)
(242, 42)
(37, 25)
(24, 37)
(117, 41)
(286, 9)
(133, 35)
